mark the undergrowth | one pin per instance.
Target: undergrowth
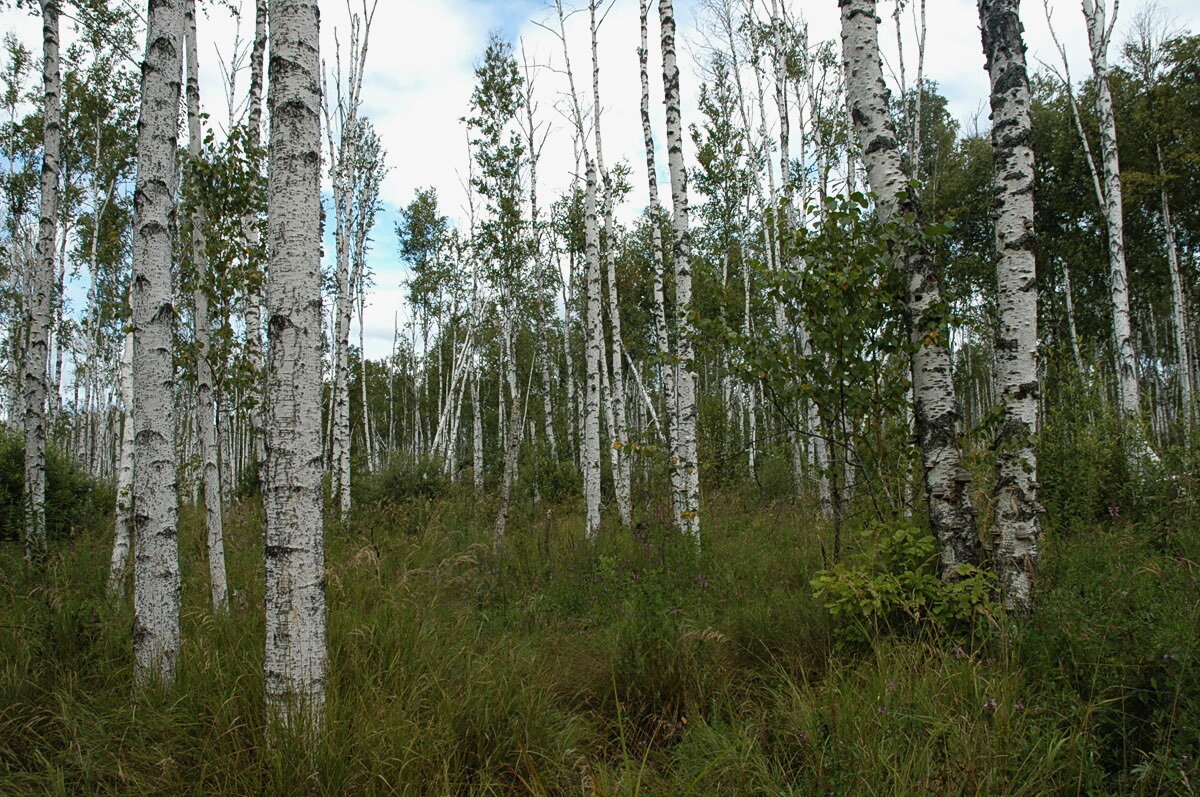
(633, 666)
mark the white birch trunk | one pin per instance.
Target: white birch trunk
(1128, 393)
(662, 332)
(295, 660)
(1178, 304)
(253, 311)
(512, 442)
(156, 590)
(936, 414)
(619, 431)
(206, 418)
(476, 425)
(123, 537)
(594, 343)
(1015, 531)
(40, 295)
(687, 455)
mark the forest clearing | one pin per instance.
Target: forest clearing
(811, 438)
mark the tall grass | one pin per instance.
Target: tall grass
(628, 667)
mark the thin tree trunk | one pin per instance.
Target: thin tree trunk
(40, 297)
(936, 415)
(206, 419)
(123, 537)
(1128, 393)
(476, 425)
(1178, 304)
(295, 660)
(155, 498)
(594, 343)
(662, 332)
(687, 459)
(250, 229)
(1015, 530)
(619, 432)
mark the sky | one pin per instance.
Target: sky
(420, 74)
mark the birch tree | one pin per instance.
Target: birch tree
(295, 661)
(123, 531)
(206, 418)
(1014, 550)
(155, 498)
(951, 514)
(661, 329)
(252, 232)
(686, 455)
(40, 298)
(342, 123)
(1099, 31)
(619, 431)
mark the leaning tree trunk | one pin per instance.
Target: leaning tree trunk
(295, 662)
(1015, 529)
(1128, 392)
(39, 300)
(206, 418)
(155, 497)
(935, 409)
(686, 456)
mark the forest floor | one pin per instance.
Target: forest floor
(630, 667)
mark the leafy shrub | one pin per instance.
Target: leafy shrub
(1115, 634)
(403, 480)
(894, 585)
(75, 500)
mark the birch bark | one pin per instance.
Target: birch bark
(295, 660)
(40, 301)
(936, 414)
(1015, 530)
(687, 454)
(1128, 392)
(123, 537)
(1183, 332)
(155, 497)
(206, 418)
(253, 311)
(594, 343)
(662, 332)
(620, 427)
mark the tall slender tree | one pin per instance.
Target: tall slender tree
(1014, 551)
(155, 497)
(295, 661)
(686, 454)
(1099, 30)
(40, 300)
(206, 415)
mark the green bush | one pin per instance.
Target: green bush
(894, 586)
(76, 502)
(403, 480)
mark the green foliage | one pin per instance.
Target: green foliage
(1116, 640)
(894, 585)
(76, 503)
(634, 666)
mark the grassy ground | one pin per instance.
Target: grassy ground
(628, 668)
